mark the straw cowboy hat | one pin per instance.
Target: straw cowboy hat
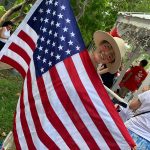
(118, 46)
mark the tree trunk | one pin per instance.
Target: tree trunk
(20, 7)
(11, 11)
(81, 8)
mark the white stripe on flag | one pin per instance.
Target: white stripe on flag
(23, 45)
(46, 125)
(38, 144)
(30, 32)
(61, 113)
(67, 83)
(18, 59)
(20, 134)
(100, 107)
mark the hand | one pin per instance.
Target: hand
(102, 71)
(100, 67)
(116, 106)
(134, 148)
(145, 88)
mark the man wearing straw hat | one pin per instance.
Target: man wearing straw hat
(109, 51)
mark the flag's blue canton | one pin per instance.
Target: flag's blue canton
(59, 36)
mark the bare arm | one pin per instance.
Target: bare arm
(2, 30)
(135, 104)
(145, 88)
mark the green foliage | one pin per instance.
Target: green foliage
(102, 14)
(8, 3)
(131, 5)
(27, 8)
(98, 15)
(2, 10)
(10, 85)
(18, 1)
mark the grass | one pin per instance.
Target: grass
(10, 86)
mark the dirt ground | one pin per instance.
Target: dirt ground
(4, 66)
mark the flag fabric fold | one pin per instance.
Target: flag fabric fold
(63, 104)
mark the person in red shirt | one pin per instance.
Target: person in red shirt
(133, 78)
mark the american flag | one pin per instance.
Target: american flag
(63, 104)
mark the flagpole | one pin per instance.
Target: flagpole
(115, 95)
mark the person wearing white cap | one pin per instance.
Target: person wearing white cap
(109, 51)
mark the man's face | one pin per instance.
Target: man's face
(104, 54)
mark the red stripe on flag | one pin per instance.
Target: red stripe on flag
(24, 124)
(16, 140)
(52, 116)
(89, 106)
(104, 97)
(47, 141)
(70, 109)
(25, 37)
(17, 49)
(14, 64)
